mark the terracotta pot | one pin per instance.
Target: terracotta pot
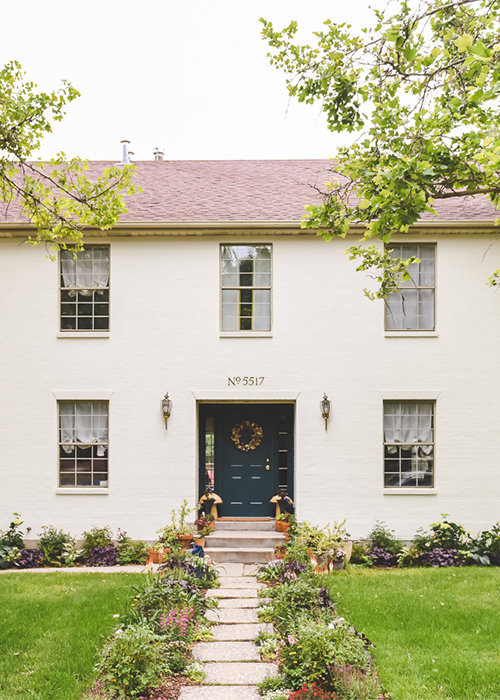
(279, 526)
(285, 526)
(157, 557)
(211, 527)
(184, 540)
(200, 541)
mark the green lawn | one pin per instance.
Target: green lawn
(51, 625)
(436, 631)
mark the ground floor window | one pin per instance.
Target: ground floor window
(409, 444)
(83, 443)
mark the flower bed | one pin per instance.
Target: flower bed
(320, 654)
(154, 638)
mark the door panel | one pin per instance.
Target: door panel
(246, 479)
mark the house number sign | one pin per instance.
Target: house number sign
(245, 381)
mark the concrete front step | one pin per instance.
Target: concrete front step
(245, 538)
(262, 525)
(235, 673)
(246, 555)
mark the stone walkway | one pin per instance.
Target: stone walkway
(232, 662)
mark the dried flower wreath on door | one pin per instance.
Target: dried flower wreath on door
(254, 441)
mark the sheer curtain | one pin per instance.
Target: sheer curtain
(85, 422)
(408, 423)
(89, 269)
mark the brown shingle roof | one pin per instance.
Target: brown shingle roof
(242, 190)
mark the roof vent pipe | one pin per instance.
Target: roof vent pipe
(125, 155)
(158, 154)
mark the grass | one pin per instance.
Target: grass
(436, 631)
(51, 626)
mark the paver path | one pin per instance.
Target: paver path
(232, 662)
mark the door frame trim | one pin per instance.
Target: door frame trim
(203, 398)
(245, 396)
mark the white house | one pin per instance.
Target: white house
(209, 290)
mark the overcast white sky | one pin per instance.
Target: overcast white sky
(190, 77)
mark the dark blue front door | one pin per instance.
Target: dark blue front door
(246, 454)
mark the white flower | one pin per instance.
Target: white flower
(119, 632)
(117, 615)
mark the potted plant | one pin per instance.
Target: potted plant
(283, 522)
(183, 531)
(205, 524)
(337, 561)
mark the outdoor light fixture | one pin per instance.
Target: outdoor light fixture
(325, 405)
(166, 408)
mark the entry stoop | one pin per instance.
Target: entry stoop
(244, 541)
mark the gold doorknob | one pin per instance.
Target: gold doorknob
(268, 467)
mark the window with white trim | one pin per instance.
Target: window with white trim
(246, 287)
(85, 289)
(83, 443)
(409, 444)
(413, 308)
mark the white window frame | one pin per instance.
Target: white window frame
(432, 443)
(81, 488)
(395, 331)
(246, 332)
(85, 332)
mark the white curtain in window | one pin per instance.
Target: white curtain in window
(408, 423)
(89, 269)
(85, 422)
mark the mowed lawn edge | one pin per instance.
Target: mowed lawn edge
(435, 631)
(52, 626)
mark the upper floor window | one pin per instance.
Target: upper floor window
(413, 309)
(83, 443)
(408, 443)
(85, 289)
(246, 287)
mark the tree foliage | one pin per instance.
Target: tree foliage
(421, 90)
(57, 196)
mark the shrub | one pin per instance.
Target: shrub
(52, 545)
(199, 571)
(485, 549)
(354, 684)
(130, 551)
(360, 554)
(290, 599)
(311, 646)
(30, 559)
(133, 661)
(443, 535)
(310, 692)
(382, 537)
(442, 557)
(11, 542)
(96, 537)
(381, 556)
(103, 556)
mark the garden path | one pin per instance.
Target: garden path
(232, 661)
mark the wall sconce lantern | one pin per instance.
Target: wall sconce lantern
(166, 408)
(325, 405)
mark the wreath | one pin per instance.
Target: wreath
(255, 440)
